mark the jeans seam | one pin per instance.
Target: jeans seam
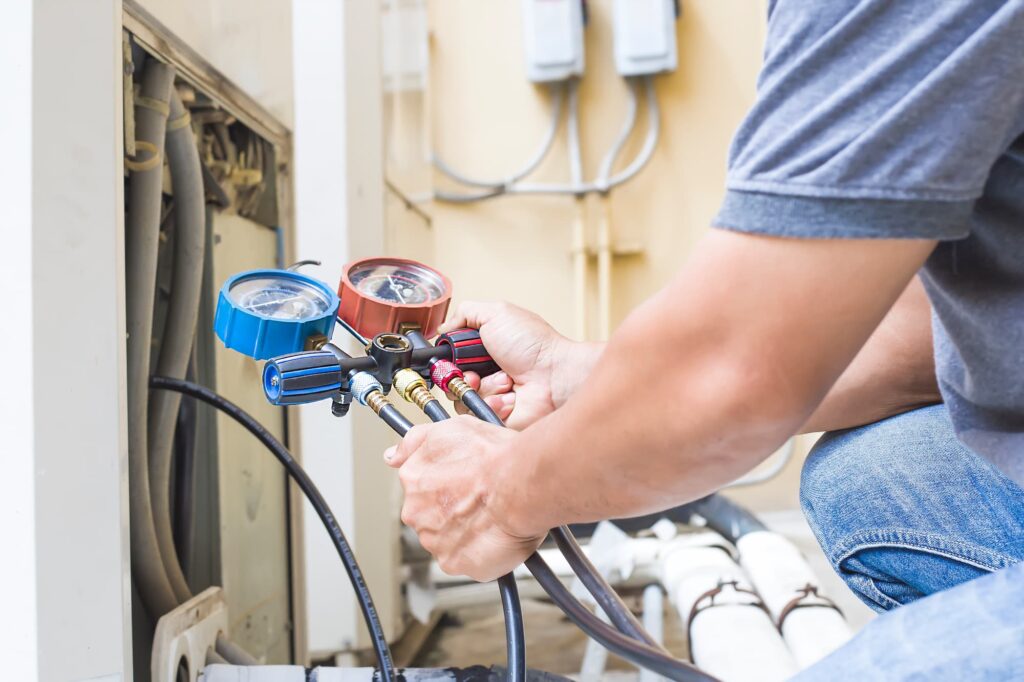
(958, 550)
(881, 598)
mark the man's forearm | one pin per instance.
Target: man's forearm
(894, 372)
(695, 389)
(574, 361)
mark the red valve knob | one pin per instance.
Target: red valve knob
(442, 372)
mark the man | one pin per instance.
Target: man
(887, 138)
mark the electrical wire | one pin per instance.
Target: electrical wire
(309, 489)
(557, 95)
(573, 130)
(628, 125)
(642, 158)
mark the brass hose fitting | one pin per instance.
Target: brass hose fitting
(458, 387)
(376, 401)
(412, 387)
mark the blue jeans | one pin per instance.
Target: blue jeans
(904, 511)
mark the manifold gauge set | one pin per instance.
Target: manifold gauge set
(393, 306)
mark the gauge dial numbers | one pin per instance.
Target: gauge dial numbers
(382, 294)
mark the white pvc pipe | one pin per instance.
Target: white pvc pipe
(595, 656)
(654, 623)
(734, 641)
(779, 573)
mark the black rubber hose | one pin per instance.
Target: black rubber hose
(395, 419)
(606, 597)
(726, 518)
(603, 593)
(480, 409)
(309, 489)
(619, 644)
(634, 651)
(511, 608)
(435, 411)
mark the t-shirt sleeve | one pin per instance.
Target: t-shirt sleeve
(877, 119)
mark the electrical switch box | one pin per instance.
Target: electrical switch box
(645, 36)
(553, 39)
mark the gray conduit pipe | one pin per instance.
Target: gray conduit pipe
(143, 232)
(180, 327)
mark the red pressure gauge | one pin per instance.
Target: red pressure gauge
(391, 294)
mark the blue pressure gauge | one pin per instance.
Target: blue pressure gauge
(267, 313)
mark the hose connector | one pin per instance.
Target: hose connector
(458, 387)
(442, 372)
(362, 385)
(412, 387)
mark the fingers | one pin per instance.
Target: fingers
(499, 382)
(473, 379)
(397, 455)
(502, 404)
(474, 314)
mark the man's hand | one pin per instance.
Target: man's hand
(541, 368)
(450, 471)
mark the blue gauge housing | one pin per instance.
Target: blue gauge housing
(268, 313)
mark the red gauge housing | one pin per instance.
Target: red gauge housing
(393, 295)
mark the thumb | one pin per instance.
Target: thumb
(473, 314)
(397, 455)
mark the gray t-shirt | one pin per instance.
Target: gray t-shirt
(905, 119)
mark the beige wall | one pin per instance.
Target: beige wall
(484, 118)
(249, 41)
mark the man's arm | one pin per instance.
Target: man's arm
(699, 384)
(893, 373)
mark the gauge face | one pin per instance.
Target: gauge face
(280, 298)
(402, 284)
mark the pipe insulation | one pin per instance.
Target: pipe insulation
(731, 637)
(781, 575)
(180, 327)
(141, 241)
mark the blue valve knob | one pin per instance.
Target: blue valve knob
(302, 377)
(268, 313)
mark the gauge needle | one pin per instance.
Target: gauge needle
(278, 301)
(397, 289)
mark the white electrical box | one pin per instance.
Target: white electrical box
(404, 51)
(553, 39)
(645, 36)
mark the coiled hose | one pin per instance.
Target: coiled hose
(309, 489)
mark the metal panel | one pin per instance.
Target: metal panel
(253, 504)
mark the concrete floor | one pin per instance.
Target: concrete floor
(475, 635)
